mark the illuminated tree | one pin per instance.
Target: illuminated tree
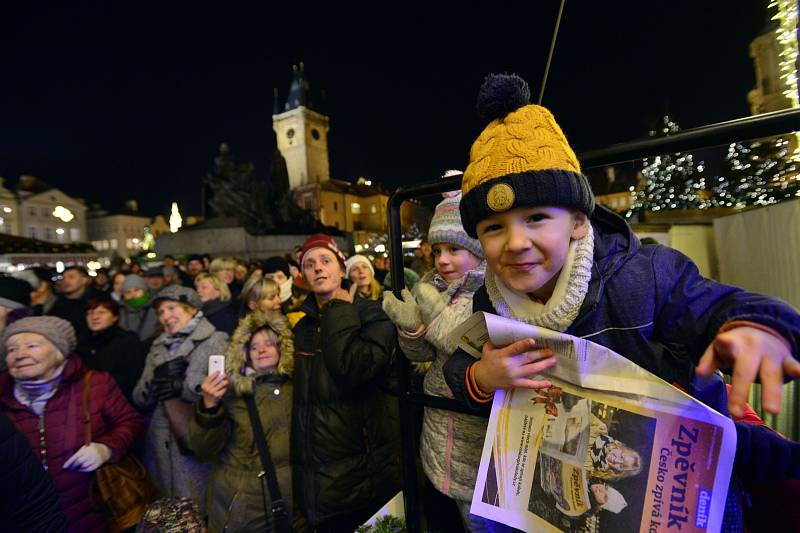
(757, 173)
(672, 181)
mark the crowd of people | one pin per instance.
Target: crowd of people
(299, 429)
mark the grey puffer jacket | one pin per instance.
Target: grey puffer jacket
(451, 443)
(176, 474)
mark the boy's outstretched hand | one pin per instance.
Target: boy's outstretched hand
(751, 353)
(512, 366)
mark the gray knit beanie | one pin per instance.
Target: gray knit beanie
(57, 330)
(446, 227)
(134, 281)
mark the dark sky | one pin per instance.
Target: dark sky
(131, 101)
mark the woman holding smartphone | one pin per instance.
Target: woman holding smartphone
(258, 364)
(175, 367)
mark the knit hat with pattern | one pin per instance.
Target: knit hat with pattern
(446, 227)
(521, 159)
(357, 258)
(320, 240)
(56, 330)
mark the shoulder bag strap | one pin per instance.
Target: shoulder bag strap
(279, 513)
(87, 415)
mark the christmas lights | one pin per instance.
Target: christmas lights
(672, 181)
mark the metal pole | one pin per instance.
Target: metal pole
(720, 134)
(550, 54)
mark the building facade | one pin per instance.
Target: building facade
(120, 233)
(48, 214)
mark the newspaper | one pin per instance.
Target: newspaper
(609, 447)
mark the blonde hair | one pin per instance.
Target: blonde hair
(375, 290)
(222, 263)
(217, 282)
(258, 288)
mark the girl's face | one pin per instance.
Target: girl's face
(361, 275)
(264, 354)
(173, 316)
(206, 290)
(452, 261)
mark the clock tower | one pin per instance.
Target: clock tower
(302, 135)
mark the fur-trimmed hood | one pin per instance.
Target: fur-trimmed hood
(236, 353)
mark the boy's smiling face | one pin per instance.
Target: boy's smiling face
(526, 247)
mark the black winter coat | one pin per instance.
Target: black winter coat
(222, 315)
(28, 498)
(345, 423)
(118, 352)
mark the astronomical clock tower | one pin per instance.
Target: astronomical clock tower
(302, 135)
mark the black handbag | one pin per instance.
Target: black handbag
(280, 516)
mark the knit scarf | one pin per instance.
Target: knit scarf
(35, 393)
(173, 341)
(562, 308)
(138, 302)
(471, 281)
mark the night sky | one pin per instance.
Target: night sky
(117, 102)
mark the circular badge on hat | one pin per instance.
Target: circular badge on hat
(500, 197)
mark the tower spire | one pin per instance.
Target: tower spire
(298, 89)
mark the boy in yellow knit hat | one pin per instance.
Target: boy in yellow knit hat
(556, 260)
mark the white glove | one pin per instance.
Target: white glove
(88, 458)
(404, 313)
(429, 300)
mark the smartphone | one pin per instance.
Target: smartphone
(216, 362)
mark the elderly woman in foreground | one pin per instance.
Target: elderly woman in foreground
(42, 393)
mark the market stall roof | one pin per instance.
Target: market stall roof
(14, 245)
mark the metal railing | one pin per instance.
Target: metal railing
(765, 125)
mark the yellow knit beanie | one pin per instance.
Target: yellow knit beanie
(521, 158)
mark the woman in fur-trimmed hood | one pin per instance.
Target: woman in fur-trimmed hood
(258, 362)
(237, 358)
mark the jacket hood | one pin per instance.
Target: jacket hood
(236, 353)
(614, 241)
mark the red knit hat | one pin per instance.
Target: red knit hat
(320, 240)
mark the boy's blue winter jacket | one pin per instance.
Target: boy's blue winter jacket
(650, 304)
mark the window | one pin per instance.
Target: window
(113, 243)
(355, 208)
(74, 234)
(46, 212)
(48, 234)
(335, 206)
(32, 211)
(373, 209)
(32, 232)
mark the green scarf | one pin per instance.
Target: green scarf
(139, 302)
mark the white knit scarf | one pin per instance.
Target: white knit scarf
(562, 308)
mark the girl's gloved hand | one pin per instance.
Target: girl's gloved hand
(404, 313)
(429, 301)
